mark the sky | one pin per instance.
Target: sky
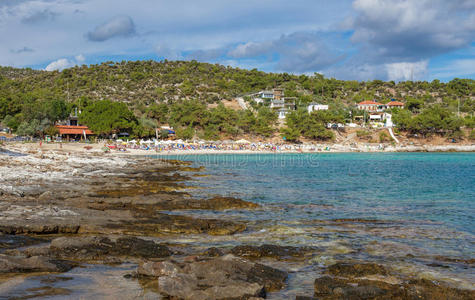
(351, 40)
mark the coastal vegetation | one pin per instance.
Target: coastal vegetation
(136, 97)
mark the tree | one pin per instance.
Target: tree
(106, 117)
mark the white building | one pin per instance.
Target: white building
(282, 112)
(315, 106)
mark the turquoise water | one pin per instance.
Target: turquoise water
(437, 187)
(412, 211)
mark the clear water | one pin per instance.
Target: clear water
(436, 187)
(419, 209)
(422, 205)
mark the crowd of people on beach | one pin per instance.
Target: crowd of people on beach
(179, 145)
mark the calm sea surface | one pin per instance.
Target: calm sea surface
(413, 212)
(416, 207)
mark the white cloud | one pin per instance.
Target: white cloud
(80, 58)
(296, 52)
(456, 68)
(165, 52)
(402, 71)
(64, 63)
(120, 26)
(404, 30)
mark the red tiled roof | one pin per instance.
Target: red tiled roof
(67, 129)
(369, 103)
(395, 103)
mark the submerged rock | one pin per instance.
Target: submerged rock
(349, 281)
(152, 223)
(273, 251)
(226, 277)
(16, 264)
(356, 269)
(8, 241)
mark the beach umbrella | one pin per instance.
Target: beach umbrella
(242, 141)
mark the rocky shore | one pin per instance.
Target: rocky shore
(63, 211)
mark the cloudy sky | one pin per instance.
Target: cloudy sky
(359, 39)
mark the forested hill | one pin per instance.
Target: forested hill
(141, 83)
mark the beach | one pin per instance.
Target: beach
(77, 222)
(267, 148)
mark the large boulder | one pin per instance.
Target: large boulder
(225, 277)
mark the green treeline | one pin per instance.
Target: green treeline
(138, 96)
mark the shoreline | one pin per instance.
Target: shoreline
(306, 149)
(71, 211)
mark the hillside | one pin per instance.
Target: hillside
(145, 82)
(185, 94)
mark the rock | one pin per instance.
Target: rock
(328, 287)
(356, 269)
(213, 252)
(48, 195)
(184, 286)
(11, 264)
(160, 223)
(226, 277)
(157, 269)
(274, 251)
(8, 241)
(39, 228)
(220, 203)
(94, 247)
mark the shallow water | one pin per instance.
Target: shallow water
(413, 212)
(419, 206)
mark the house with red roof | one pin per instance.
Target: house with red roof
(371, 106)
(74, 132)
(394, 104)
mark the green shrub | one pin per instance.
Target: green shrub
(471, 136)
(362, 133)
(383, 137)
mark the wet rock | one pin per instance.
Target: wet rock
(221, 203)
(273, 251)
(468, 261)
(8, 241)
(93, 248)
(226, 277)
(347, 286)
(172, 224)
(11, 264)
(184, 286)
(39, 228)
(356, 269)
(157, 269)
(213, 252)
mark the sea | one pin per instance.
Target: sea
(412, 211)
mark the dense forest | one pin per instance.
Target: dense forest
(141, 95)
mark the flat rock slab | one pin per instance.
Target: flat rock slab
(226, 277)
(8, 241)
(15, 264)
(351, 281)
(96, 247)
(271, 251)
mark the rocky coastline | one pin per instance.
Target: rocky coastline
(61, 211)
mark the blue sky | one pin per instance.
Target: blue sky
(357, 40)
